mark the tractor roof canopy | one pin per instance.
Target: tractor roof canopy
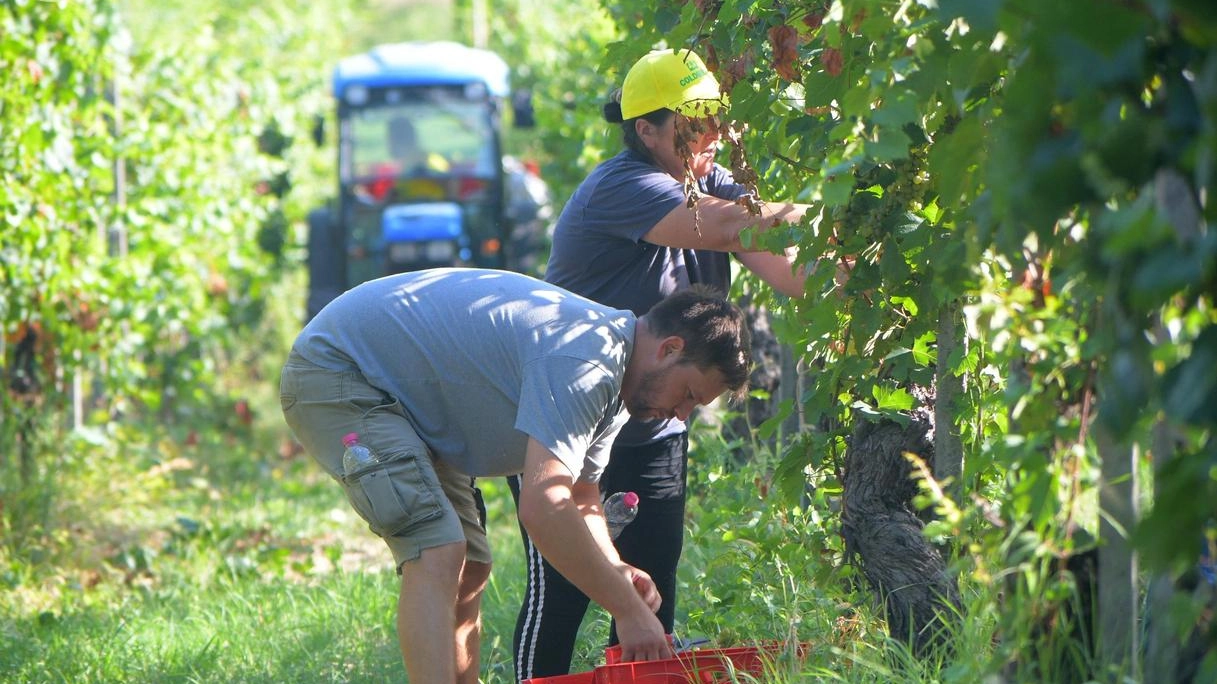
(437, 63)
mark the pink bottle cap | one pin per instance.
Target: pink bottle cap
(350, 438)
(630, 499)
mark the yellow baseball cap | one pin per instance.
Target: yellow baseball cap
(670, 79)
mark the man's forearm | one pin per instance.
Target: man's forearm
(555, 523)
(587, 497)
(565, 540)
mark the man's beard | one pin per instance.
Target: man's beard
(640, 403)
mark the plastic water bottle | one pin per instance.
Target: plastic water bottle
(620, 509)
(356, 456)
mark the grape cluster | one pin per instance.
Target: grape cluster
(912, 181)
(883, 191)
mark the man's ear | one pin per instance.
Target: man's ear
(673, 344)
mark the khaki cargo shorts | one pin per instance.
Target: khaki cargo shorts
(408, 498)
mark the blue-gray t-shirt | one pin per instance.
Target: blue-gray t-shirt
(598, 250)
(481, 360)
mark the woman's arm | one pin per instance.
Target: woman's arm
(718, 223)
(778, 270)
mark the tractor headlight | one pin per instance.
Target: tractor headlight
(400, 252)
(440, 251)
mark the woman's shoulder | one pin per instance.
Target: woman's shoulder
(630, 162)
(628, 168)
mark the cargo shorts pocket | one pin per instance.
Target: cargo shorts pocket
(395, 495)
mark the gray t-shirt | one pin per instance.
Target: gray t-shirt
(598, 250)
(481, 360)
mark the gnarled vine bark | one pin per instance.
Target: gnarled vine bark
(883, 533)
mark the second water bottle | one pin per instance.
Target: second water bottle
(620, 509)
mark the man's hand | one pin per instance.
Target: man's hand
(645, 586)
(642, 638)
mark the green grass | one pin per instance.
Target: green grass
(223, 570)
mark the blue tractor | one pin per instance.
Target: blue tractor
(422, 178)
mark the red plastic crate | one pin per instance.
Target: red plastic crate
(686, 668)
(612, 654)
(702, 666)
(576, 678)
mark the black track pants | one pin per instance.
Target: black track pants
(553, 608)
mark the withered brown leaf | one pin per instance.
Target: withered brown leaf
(833, 61)
(785, 42)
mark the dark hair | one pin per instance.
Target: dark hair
(629, 133)
(714, 330)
